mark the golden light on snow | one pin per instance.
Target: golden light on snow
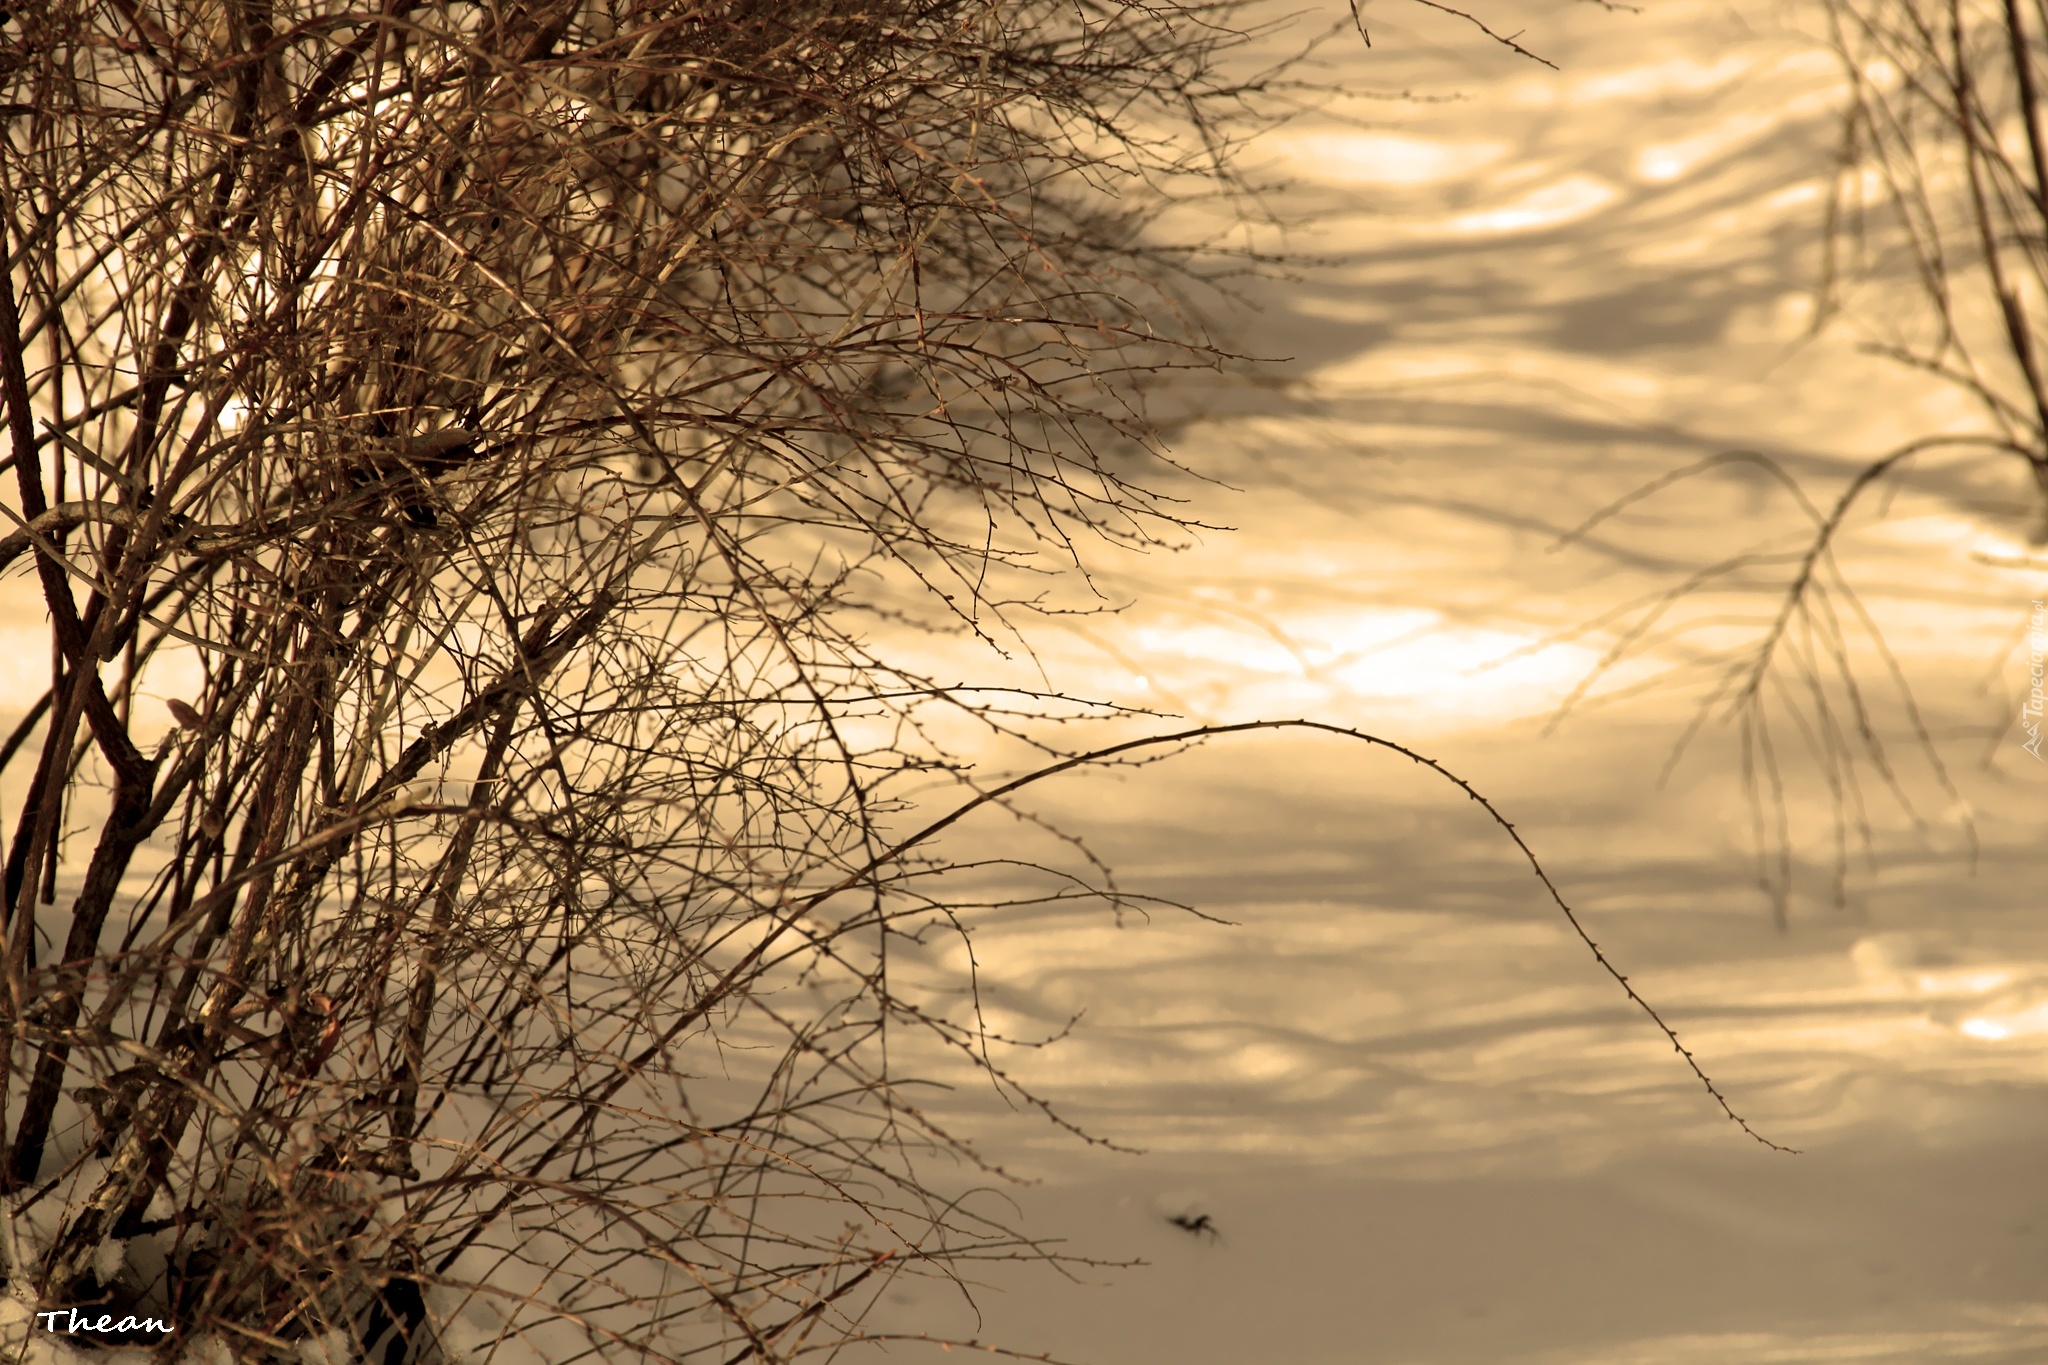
(1997, 1028)
(1537, 299)
(1562, 201)
(1540, 298)
(1384, 158)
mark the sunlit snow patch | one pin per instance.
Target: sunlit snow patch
(1909, 964)
(1660, 79)
(1996, 1028)
(1541, 373)
(1667, 161)
(24, 664)
(1495, 667)
(1384, 158)
(1563, 201)
(1412, 656)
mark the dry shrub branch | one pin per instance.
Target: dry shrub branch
(1943, 188)
(459, 446)
(1934, 249)
(466, 451)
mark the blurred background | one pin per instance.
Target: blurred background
(1409, 1118)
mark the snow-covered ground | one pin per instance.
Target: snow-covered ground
(1423, 1124)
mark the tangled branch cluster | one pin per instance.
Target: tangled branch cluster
(1944, 184)
(456, 444)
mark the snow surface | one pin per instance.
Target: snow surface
(1423, 1125)
(1425, 1129)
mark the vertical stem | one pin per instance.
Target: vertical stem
(2018, 330)
(2037, 154)
(29, 853)
(2030, 107)
(420, 1007)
